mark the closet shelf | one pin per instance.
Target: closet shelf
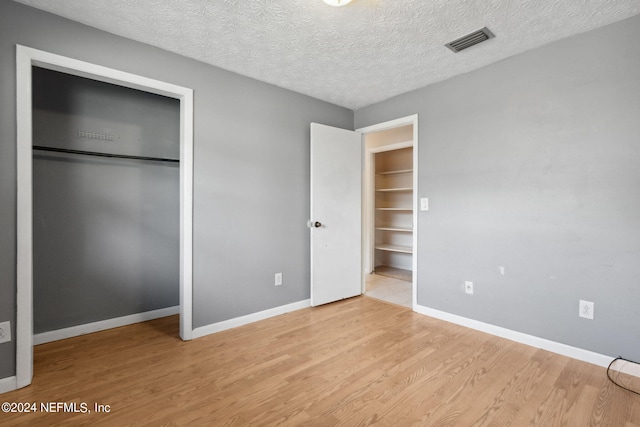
(400, 189)
(400, 229)
(392, 231)
(394, 248)
(396, 172)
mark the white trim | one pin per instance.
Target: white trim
(249, 318)
(533, 341)
(8, 384)
(626, 368)
(88, 328)
(186, 215)
(391, 147)
(416, 206)
(395, 123)
(368, 227)
(24, 247)
(26, 58)
(367, 245)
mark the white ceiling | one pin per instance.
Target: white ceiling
(353, 56)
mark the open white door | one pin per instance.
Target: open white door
(336, 214)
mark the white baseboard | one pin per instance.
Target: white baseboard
(8, 384)
(533, 341)
(249, 318)
(88, 328)
(629, 368)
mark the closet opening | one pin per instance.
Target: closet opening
(389, 215)
(106, 204)
(28, 62)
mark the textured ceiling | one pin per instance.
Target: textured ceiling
(353, 56)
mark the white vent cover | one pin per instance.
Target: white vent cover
(469, 40)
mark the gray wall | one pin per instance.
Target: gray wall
(106, 240)
(532, 163)
(251, 171)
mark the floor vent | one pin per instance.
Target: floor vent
(470, 40)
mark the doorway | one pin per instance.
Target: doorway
(105, 205)
(26, 59)
(390, 211)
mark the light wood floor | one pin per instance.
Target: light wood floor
(389, 289)
(356, 362)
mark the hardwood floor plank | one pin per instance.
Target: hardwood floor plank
(355, 362)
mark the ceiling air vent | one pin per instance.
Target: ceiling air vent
(470, 40)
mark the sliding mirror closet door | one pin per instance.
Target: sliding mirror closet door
(105, 201)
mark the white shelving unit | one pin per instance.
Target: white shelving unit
(394, 208)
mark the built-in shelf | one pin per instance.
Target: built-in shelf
(394, 248)
(396, 172)
(393, 196)
(400, 229)
(402, 189)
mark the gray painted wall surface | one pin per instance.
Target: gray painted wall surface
(251, 171)
(105, 231)
(532, 164)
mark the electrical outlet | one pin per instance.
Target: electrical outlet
(501, 270)
(586, 309)
(5, 332)
(278, 279)
(424, 204)
(468, 288)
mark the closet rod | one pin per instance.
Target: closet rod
(93, 153)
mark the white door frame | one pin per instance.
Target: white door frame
(368, 197)
(26, 58)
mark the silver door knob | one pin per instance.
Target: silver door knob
(314, 224)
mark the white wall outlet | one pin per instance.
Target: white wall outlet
(5, 332)
(501, 270)
(586, 309)
(468, 288)
(278, 279)
(424, 204)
